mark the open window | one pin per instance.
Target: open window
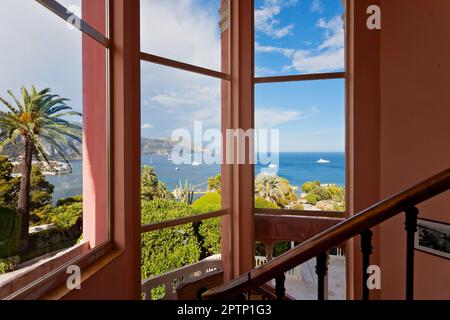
(300, 100)
(54, 204)
(184, 80)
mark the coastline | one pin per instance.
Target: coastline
(294, 166)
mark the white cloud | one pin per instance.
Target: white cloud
(188, 32)
(147, 126)
(168, 100)
(328, 56)
(311, 62)
(316, 6)
(284, 51)
(181, 30)
(266, 118)
(266, 21)
(39, 49)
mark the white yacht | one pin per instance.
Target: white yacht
(321, 160)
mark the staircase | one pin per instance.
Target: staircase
(317, 247)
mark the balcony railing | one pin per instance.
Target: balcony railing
(173, 279)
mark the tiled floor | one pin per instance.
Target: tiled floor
(306, 289)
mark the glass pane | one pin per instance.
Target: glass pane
(298, 37)
(94, 12)
(181, 141)
(186, 31)
(307, 171)
(187, 246)
(68, 173)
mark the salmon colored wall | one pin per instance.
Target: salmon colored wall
(95, 222)
(363, 125)
(121, 278)
(415, 131)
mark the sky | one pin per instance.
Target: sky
(291, 37)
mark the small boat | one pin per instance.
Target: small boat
(321, 160)
(195, 163)
(272, 165)
(177, 169)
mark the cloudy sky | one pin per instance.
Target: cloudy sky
(291, 37)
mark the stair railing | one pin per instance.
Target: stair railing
(357, 225)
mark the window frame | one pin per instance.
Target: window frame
(315, 77)
(41, 286)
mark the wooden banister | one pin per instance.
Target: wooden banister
(342, 232)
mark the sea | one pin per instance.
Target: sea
(297, 167)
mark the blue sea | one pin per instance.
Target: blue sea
(297, 167)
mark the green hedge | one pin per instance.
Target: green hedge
(167, 249)
(47, 241)
(210, 202)
(209, 230)
(262, 203)
(9, 232)
(68, 219)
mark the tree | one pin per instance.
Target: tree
(9, 186)
(274, 189)
(151, 188)
(36, 120)
(41, 190)
(215, 183)
(309, 186)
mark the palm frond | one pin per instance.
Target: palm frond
(18, 103)
(9, 106)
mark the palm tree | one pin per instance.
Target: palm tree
(274, 189)
(37, 121)
(149, 182)
(269, 188)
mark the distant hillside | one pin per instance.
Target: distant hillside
(15, 151)
(156, 146)
(161, 146)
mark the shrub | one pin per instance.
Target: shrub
(209, 230)
(321, 193)
(309, 186)
(66, 215)
(312, 198)
(339, 207)
(69, 200)
(262, 203)
(337, 193)
(41, 189)
(47, 241)
(9, 231)
(9, 264)
(274, 189)
(297, 206)
(9, 186)
(211, 201)
(167, 249)
(215, 183)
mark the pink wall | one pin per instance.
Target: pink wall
(415, 131)
(95, 222)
